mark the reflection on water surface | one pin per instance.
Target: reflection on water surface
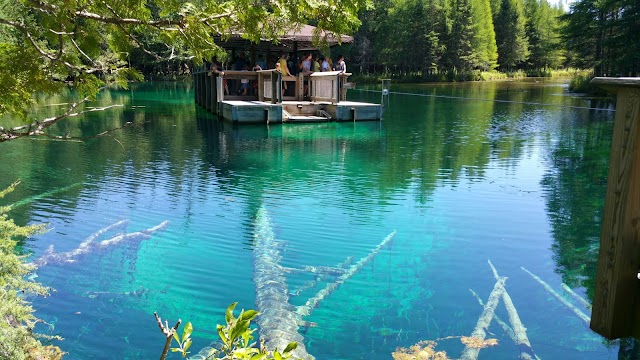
(461, 181)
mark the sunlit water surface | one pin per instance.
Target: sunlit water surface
(462, 181)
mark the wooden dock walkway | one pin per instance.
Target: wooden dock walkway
(266, 102)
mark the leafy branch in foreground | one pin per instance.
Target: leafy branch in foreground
(17, 339)
(236, 338)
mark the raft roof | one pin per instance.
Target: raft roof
(299, 37)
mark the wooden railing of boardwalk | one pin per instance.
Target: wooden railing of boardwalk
(616, 303)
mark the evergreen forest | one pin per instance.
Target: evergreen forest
(459, 39)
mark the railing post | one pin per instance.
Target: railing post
(214, 92)
(300, 87)
(337, 88)
(220, 92)
(260, 87)
(616, 302)
(274, 87)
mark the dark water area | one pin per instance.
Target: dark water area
(512, 172)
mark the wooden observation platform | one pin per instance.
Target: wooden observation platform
(273, 98)
(266, 101)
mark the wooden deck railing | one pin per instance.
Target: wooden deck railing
(213, 87)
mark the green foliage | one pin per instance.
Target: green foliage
(513, 45)
(236, 337)
(436, 40)
(604, 36)
(48, 45)
(484, 39)
(184, 342)
(17, 340)
(581, 83)
(543, 29)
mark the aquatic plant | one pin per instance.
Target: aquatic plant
(17, 338)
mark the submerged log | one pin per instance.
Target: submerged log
(90, 244)
(507, 329)
(278, 322)
(519, 331)
(33, 198)
(313, 302)
(341, 268)
(577, 297)
(471, 353)
(571, 307)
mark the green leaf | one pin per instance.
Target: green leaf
(175, 349)
(292, 346)
(277, 356)
(259, 357)
(229, 313)
(249, 315)
(240, 328)
(245, 351)
(175, 336)
(186, 332)
(220, 329)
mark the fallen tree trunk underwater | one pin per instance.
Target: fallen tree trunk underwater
(577, 297)
(471, 353)
(90, 243)
(571, 307)
(519, 331)
(279, 320)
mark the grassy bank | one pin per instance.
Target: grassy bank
(476, 75)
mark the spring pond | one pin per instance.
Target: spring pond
(512, 172)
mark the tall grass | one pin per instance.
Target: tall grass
(473, 75)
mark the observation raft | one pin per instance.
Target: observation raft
(268, 101)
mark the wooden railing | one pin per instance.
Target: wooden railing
(616, 300)
(213, 87)
(328, 86)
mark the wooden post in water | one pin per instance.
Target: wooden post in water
(200, 86)
(207, 91)
(195, 87)
(616, 303)
(214, 92)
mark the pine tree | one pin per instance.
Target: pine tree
(484, 40)
(513, 47)
(462, 36)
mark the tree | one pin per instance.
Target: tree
(484, 40)
(543, 29)
(47, 45)
(460, 40)
(17, 340)
(513, 46)
(605, 36)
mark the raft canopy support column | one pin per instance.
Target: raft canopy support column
(616, 303)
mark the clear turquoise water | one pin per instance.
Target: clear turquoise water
(461, 180)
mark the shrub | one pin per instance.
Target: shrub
(17, 339)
